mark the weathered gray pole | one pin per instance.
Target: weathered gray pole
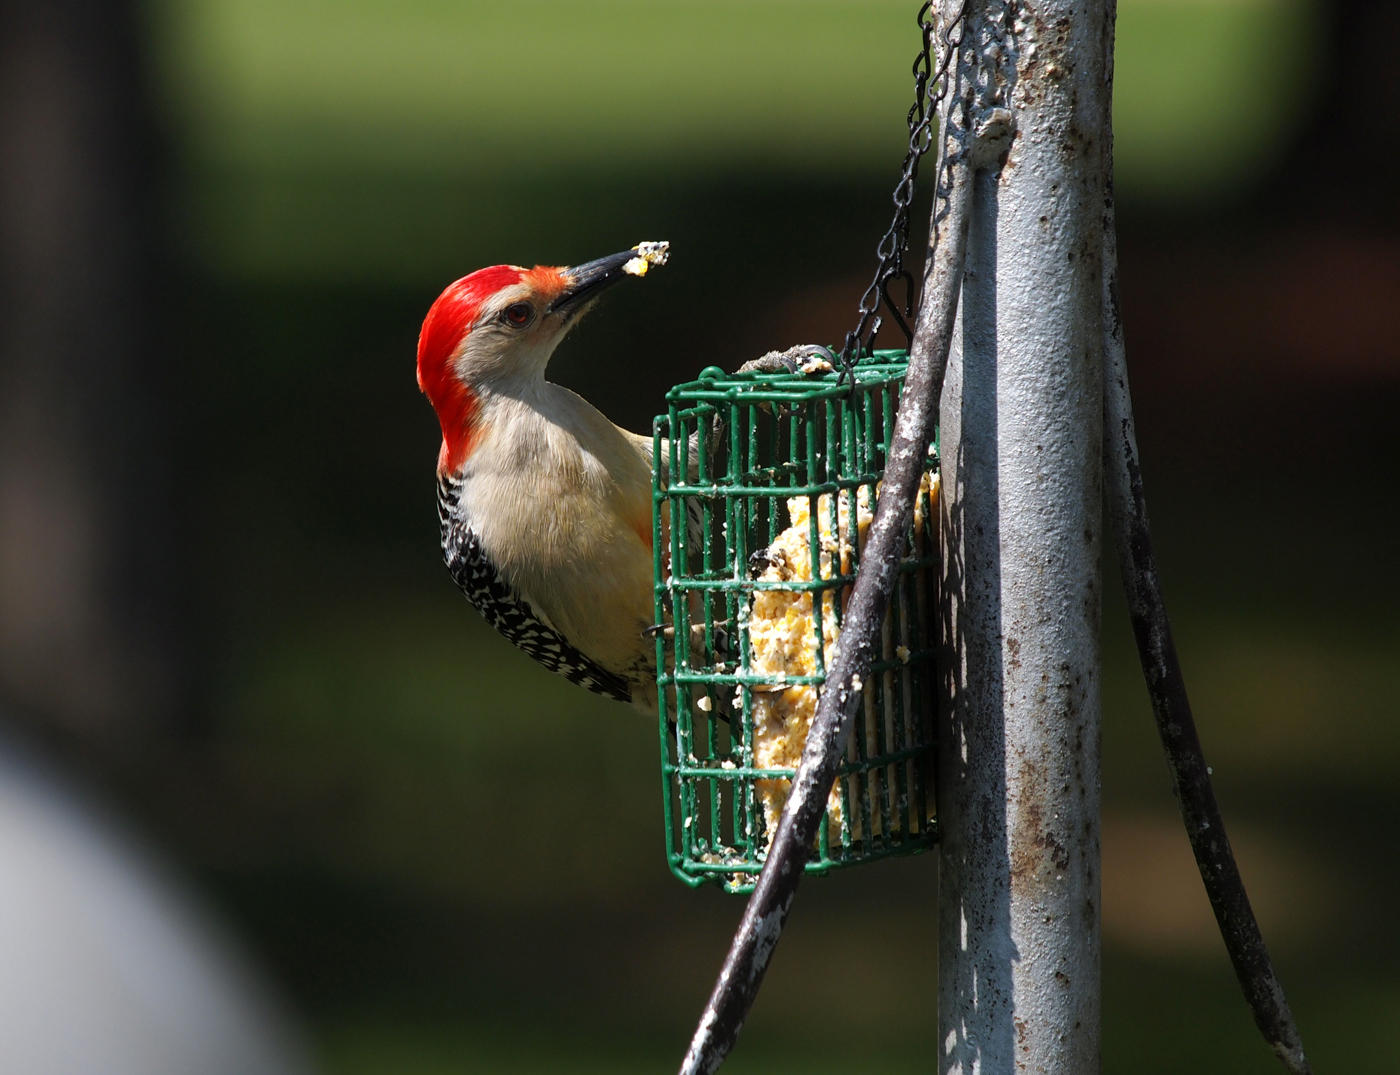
(1021, 447)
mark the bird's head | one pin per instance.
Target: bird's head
(499, 326)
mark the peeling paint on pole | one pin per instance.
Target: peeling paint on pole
(1021, 437)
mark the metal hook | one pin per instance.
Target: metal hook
(908, 278)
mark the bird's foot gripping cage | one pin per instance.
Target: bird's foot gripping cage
(765, 476)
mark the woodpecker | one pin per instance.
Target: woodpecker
(544, 504)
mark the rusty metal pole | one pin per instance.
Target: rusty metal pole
(1021, 424)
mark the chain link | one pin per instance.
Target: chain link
(930, 87)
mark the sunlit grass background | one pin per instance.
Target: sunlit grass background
(452, 861)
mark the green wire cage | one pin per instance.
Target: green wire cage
(771, 481)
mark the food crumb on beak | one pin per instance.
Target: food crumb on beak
(648, 254)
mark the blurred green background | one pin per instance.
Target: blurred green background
(451, 861)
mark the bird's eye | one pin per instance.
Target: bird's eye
(518, 314)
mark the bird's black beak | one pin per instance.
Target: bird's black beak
(586, 281)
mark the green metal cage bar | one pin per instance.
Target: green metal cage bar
(737, 459)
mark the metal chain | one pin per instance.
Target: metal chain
(930, 87)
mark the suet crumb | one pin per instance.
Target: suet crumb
(648, 254)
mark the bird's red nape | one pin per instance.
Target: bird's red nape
(456, 404)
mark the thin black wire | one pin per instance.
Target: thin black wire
(930, 87)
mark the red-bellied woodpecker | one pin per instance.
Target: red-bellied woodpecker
(545, 505)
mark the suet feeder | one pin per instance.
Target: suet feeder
(764, 486)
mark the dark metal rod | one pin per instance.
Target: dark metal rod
(1200, 813)
(768, 907)
(1126, 505)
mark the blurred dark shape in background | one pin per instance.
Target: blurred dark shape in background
(93, 631)
(1339, 143)
(220, 587)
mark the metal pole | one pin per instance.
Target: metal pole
(1021, 419)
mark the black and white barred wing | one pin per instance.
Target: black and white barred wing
(509, 613)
